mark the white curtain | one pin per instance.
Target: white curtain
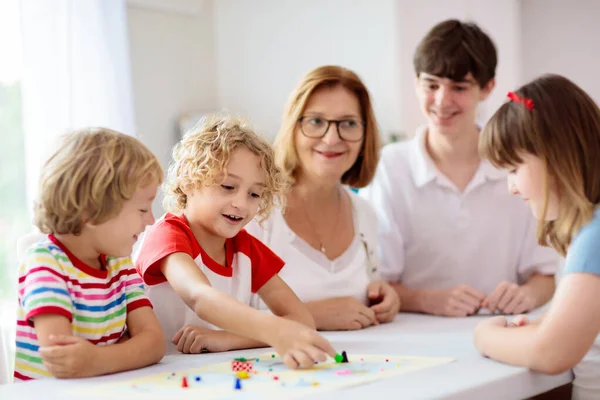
(76, 73)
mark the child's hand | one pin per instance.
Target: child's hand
(299, 346)
(193, 339)
(384, 300)
(509, 298)
(342, 314)
(519, 320)
(484, 327)
(70, 357)
(459, 301)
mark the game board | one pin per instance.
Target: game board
(268, 378)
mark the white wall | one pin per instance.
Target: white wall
(173, 67)
(562, 37)
(264, 47)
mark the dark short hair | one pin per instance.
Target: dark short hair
(452, 49)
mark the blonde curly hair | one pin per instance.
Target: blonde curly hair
(202, 156)
(89, 177)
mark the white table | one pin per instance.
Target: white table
(469, 377)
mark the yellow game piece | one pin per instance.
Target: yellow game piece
(242, 374)
(315, 383)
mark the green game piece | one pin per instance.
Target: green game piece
(272, 355)
(242, 359)
(338, 358)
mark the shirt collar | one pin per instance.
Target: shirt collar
(424, 169)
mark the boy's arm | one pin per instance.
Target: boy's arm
(192, 286)
(47, 325)
(280, 299)
(68, 356)
(145, 347)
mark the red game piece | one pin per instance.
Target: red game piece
(184, 383)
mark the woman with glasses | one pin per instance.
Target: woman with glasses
(326, 234)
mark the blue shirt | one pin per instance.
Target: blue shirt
(583, 254)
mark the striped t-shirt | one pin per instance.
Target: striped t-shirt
(53, 281)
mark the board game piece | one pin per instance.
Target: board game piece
(270, 378)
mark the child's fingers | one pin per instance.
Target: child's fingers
(62, 340)
(181, 344)
(197, 345)
(315, 353)
(177, 336)
(321, 343)
(289, 361)
(189, 341)
(52, 354)
(519, 320)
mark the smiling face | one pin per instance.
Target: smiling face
(116, 236)
(222, 209)
(450, 106)
(329, 157)
(527, 180)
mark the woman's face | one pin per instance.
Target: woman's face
(327, 158)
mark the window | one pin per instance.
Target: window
(14, 211)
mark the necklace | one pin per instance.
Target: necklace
(322, 247)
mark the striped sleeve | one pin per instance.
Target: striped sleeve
(134, 288)
(43, 286)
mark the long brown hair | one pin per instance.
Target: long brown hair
(362, 171)
(562, 128)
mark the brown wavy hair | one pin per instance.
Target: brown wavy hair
(89, 177)
(563, 130)
(362, 171)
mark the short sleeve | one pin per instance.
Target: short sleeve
(536, 259)
(43, 287)
(265, 263)
(584, 253)
(167, 236)
(134, 287)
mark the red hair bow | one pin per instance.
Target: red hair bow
(528, 103)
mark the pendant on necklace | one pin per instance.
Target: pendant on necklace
(323, 250)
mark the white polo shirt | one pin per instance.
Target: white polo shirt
(433, 236)
(310, 274)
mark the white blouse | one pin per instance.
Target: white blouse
(310, 274)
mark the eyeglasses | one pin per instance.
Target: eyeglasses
(350, 130)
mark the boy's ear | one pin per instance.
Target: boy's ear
(487, 89)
